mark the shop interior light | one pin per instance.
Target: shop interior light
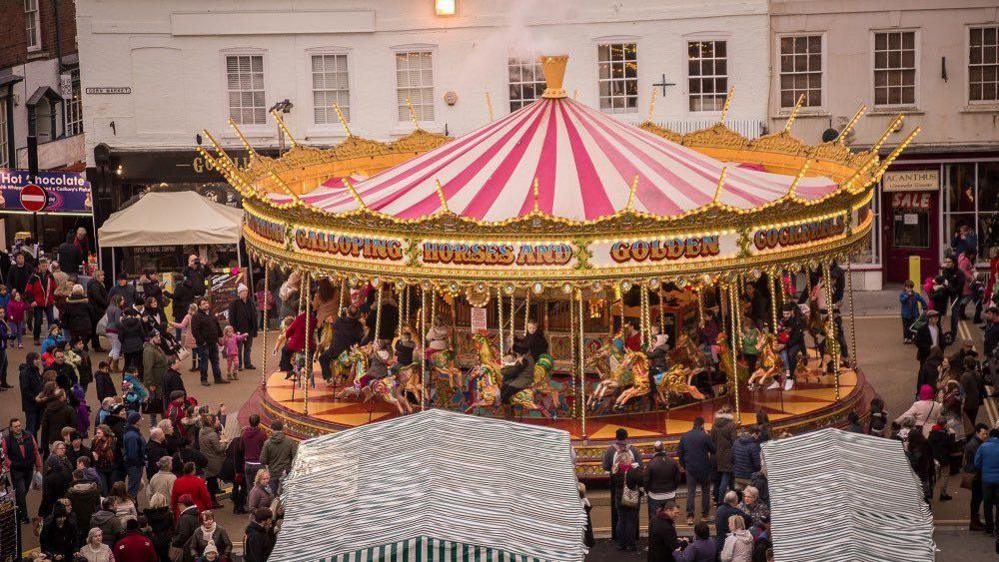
(445, 7)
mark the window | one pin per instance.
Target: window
(3, 133)
(801, 70)
(245, 78)
(983, 64)
(972, 200)
(527, 82)
(895, 68)
(330, 84)
(707, 75)
(31, 25)
(414, 74)
(617, 64)
(74, 108)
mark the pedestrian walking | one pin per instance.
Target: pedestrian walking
(206, 331)
(613, 460)
(23, 459)
(243, 319)
(662, 478)
(694, 452)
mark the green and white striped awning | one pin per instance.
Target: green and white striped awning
(433, 486)
(836, 496)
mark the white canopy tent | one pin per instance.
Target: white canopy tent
(435, 486)
(172, 219)
(837, 496)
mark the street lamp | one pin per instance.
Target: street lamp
(445, 7)
(284, 106)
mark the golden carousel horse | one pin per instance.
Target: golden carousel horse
(606, 362)
(725, 361)
(770, 364)
(542, 385)
(636, 365)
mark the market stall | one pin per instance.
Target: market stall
(435, 486)
(837, 495)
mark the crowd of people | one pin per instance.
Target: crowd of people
(111, 489)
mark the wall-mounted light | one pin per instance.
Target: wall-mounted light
(446, 7)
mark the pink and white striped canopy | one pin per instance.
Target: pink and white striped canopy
(584, 161)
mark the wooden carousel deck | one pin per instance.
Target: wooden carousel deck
(811, 405)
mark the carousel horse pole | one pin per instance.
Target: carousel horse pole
(308, 340)
(267, 295)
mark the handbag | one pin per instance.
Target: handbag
(967, 479)
(630, 497)
(176, 554)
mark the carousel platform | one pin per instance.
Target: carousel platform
(811, 405)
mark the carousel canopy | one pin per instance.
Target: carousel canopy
(172, 218)
(584, 161)
(435, 485)
(838, 496)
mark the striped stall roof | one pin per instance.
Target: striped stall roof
(838, 496)
(433, 486)
(584, 160)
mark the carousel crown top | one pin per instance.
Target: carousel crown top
(558, 193)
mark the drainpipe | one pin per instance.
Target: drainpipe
(58, 32)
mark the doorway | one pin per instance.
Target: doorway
(911, 228)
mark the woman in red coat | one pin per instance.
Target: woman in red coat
(190, 484)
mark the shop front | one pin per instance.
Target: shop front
(910, 199)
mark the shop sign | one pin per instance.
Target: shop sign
(109, 91)
(798, 234)
(347, 246)
(914, 200)
(66, 192)
(553, 254)
(911, 180)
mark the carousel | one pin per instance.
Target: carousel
(561, 267)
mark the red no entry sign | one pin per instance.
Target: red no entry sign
(32, 198)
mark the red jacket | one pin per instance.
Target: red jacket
(190, 484)
(41, 290)
(134, 547)
(295, 334)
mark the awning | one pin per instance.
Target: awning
(838, 496)
(433, 486)
(172, 219)
(43, 92)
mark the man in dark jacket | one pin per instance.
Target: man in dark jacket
(928, 336)
(156, 448)
(791, 336)
(347, 332)
(77, 316)
(109, 524)
(980, 435)
(387, 324)
(19, 273)
(723, 435)
(57, 415)
(187, 523)
(134, 453)
(243, 319)
(662, 533)
(182, 296)
(728, 508)
(206, 331)
(259, 541)
(85, 498)
(70, 256)
(97, 294)
(30, 381)
(695, 450)
(746, 457)
(125, 288)
(23, 457)
(662, 477)
(198, 274)
(172, 380)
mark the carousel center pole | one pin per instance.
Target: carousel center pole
(267, 295)
(582, 365)
(307, 379)
(832, 344)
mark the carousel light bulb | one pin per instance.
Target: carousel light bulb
(538, 288)
(445, 7)
(566, 288)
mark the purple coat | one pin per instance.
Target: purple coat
(82, 411)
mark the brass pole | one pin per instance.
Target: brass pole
(573, 349)
(343, 295)
(662, 312)
(832, 344)
(527, 310)
(582, 365)
(499, 318)
(513, 317)
(378, 315)
(308, 340)
(853, 323)
(733, 352)
(775, 288)
(267, 293)
(423, 350)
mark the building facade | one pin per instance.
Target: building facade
(40, 97)
(934, 61)
(159, 72)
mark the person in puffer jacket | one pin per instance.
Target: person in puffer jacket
(746, 456)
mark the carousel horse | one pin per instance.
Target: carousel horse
(676, 382)
(490, 367)
(725, 361)
(366, 388)
(606, 362)
(636, 365)
(770, 364)
(542, 385)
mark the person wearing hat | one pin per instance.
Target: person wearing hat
(59, 535)
(662, 532)
(928, 336)
(188, 520)
(662, 478)
(208, 533)
(134, 546)
(192, 487)
(259, 536)
(125, 288)
(134, 447)
(77, 315)
(210, 554)
(243, 319)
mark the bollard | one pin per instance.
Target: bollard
(914, 273)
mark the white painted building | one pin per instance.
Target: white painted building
(192, 64)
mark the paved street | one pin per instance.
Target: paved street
(888, 364)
